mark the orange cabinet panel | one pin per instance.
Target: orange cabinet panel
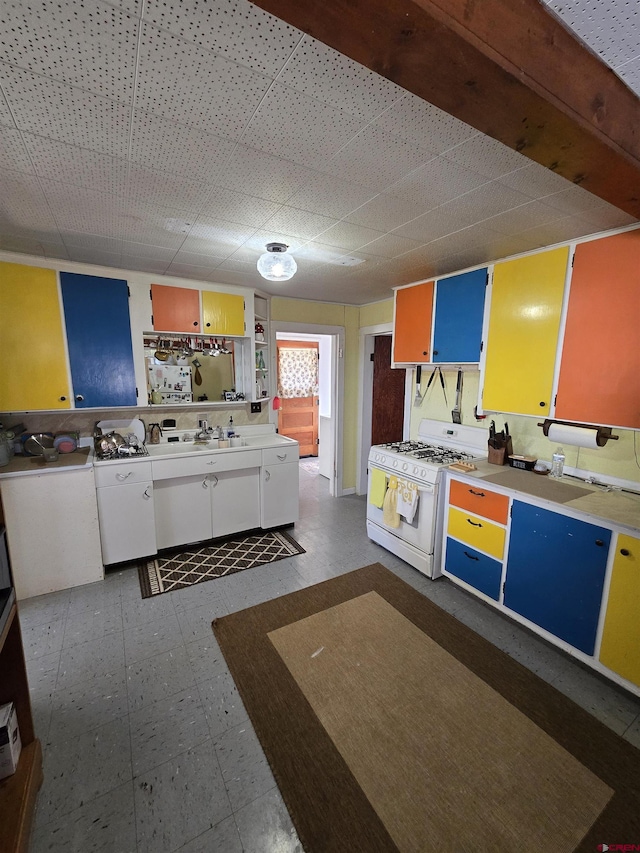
(475, 498)
(412, 323)
(175, 309)
(600, 368)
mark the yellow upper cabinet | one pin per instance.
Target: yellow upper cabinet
(31, 340)
(522, 338)
(222, 314)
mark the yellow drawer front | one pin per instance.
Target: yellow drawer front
(620, 649)
(477, 532)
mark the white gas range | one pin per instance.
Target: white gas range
(414, 470)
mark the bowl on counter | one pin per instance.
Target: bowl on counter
(36, 442)
(65, 443)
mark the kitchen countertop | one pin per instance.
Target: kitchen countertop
(613, 505)
(27, 465)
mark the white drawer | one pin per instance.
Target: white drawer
(280, 455)
(115, 473)
(204, 463)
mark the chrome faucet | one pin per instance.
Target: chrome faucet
(204, 431)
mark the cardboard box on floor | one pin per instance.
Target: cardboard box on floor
(10, 743)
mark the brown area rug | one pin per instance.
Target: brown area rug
(390, 726)
(217, 559)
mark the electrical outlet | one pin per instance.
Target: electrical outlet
(256, 408)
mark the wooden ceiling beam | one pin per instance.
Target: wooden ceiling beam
(509, 68)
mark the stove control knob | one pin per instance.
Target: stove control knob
(405, 466)
(415, 469)
(423, 473)
(395, 463)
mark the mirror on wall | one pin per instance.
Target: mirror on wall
(198, 370)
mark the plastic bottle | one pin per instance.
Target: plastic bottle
(230, 427)
(557, 463)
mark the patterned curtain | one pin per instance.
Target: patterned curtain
(297, 372)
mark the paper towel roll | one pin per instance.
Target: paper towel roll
(568, 434)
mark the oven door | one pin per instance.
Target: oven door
(420, 532)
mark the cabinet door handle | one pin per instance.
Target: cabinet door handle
(267, 475)
(205, 483)
(79, 398)
(147, 494)
(213, 462)
(62, 398)
(474, 523)
(477, 494)
(207, 325)
(625, 552)
(471, 556)
(122, 477)
(599, 542)
(195, 322)
(281, 458)
(542, 404)
(215, 480)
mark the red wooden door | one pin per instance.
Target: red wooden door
(387, 415)
(298, 416)
(298, 419)
(599, 379)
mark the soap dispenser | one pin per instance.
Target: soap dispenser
(230, 427)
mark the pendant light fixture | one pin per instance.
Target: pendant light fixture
(277, 264)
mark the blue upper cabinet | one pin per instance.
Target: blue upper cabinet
(555, 573)
(458, 318)
(96, 313)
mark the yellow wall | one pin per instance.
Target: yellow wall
(616, 459)
(376, 313)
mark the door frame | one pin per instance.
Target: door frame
(365, 400)
(337, 334)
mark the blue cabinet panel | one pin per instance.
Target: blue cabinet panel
(555, 573)
(96, 313)
(474, 568)
(458, 320)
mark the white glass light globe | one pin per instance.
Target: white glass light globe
(276, 264)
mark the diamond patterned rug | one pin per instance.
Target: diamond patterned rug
(216, 560)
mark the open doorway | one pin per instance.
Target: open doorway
(328, 343)
(385, 411)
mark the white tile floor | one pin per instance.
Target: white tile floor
(147, 748)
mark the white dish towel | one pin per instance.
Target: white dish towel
(408, 497)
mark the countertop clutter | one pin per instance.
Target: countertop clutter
(608, 503)
(82, 457)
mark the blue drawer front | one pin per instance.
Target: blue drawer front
(479, 571)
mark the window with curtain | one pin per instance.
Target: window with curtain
(297, 372)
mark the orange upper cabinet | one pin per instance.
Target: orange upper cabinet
(412, 324)
(599, 379)
(175, 309)
(522, 337)
(222, 313)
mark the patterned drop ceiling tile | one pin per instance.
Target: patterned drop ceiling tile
(234, 29)
(13, 153)
(67, 164)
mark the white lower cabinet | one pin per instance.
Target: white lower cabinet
(279, 487)
(125, 508)
(182, 510)
(235, 501)
(52, 530)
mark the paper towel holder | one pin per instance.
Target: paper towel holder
(603, 434)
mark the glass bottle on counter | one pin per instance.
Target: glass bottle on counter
(557, 463)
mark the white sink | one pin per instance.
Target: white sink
(174, 447)
(270, 440)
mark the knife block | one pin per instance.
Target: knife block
(500, 455)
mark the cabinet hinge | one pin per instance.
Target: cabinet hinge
(503, 586)
(555, 400)
(150, 296)
(573, 257)
(137, 395)
(317, 441)
(339, 352)
(128, 292)
(481, 345)
(511, 511)
(152, 319)
(371, 357)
